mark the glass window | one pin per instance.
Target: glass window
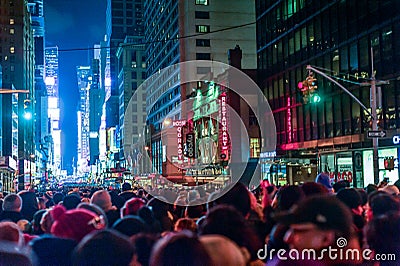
(203, 42)
(353, 58)
(12, 31)
(202, 14)
(254, 147)
(203, 56)
(202, 2)
(202, 28)
(12, 49)
(12, 22)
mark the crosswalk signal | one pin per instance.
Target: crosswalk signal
(389, 163)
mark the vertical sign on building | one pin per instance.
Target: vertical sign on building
(223, 128)
(179, 124)
(190, 151)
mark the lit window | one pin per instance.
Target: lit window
(12, 49)
(134, 64)
(12, 21)
(202, 28)
(254, 147)
(202, 2)
(143, 64)
(11, 31)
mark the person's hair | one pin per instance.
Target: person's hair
(143, 244)
(106, 247)
(238, 197)
(185, 224)
(227, 221)
(383, 203)
(383, 233)
(12, 202)
(288, 196)
(182, 248)
(313, 188)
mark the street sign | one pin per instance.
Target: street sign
(376, 134)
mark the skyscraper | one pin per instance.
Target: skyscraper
(51, 81)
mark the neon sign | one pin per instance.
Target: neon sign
(223, 127)
(179, 136)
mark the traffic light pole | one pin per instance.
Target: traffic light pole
(373, 115)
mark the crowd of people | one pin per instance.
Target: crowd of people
(267, 226)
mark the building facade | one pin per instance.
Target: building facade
(337, 37)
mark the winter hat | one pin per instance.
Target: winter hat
(132, 206)
(102, 199)
(324, 179)
(75, 224)
(71, 201)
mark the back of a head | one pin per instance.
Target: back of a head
(130, 225)
(383, 234)
(132, 206)
(10, 256)
(102, 199)
(58, 197)
(383, 203)
(313, 188)
(71, 201)
(391, 190)
(227, 221)
(222, 250)
(106, 247)
(29, 204)
(350, 197)
(50, 250)
(287, 196)
(12, 202)
(181, 248)
(340, 185)
(10, 232)
(238, 197)
(143, 244)
(126, 187)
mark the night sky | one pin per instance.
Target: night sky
(73, 24)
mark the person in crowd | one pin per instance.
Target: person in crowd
(147, 216)
(325, 180)
(194, 210)
(391, 190)
(383, 236)
(317, 223)
(185, 224)
(371, 188)
(58, 197)
(37, 217)
(51, 250)
(182, 248)
(74, 224)
(313, 188)
(352, 199)
(29, 204)
(143, 244)
(223, 251)
(285, 198)
(102, 199)
(12, 206)
(132, 206)
(130, 225)
(10, 232)
(228, 221)
(71, 201)
(380, 203)
(106, 248)
(160, 209)
(340, 185)
(127, 192)
(11, 255)
(41, 203)
(95, 209)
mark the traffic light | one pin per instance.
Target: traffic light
(27, 109)
(309, 89)
(389, 163)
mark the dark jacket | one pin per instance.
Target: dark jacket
(11, 216)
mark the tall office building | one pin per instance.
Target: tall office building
(84, 80)
(337, 38)
(168, 23)
(43, 139)
(51, 81)
(17, 61)
(124, 18)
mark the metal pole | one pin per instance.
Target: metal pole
(375, 143)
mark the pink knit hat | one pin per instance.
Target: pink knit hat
(75, 224)
(132, 206)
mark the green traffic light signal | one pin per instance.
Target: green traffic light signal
(315, 98)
